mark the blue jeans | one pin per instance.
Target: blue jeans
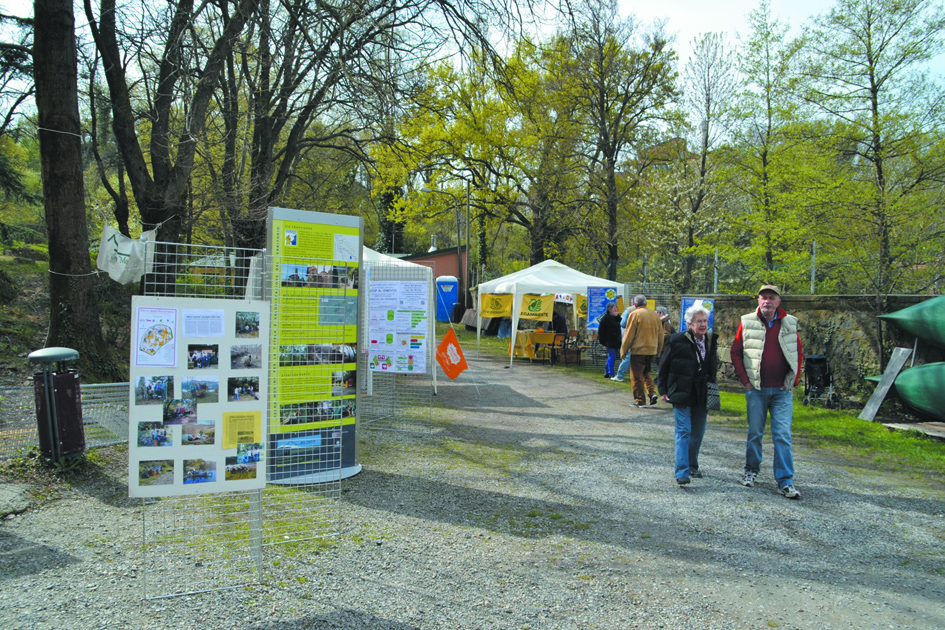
(623, 367)
(779, 404)
(611, 359)
(690, 429)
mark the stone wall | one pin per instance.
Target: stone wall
(842, 327)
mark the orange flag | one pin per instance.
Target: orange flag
(450, 356)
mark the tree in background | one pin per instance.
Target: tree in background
(74, 316)
(863, 72)
(621, 78)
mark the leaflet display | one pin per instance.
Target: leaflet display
(397, 320)
(197, 403)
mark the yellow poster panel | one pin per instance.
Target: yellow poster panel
(620, 306)
(537, 307)
(241, 427)
(315, 240)
(651, 304)
(580, 303)
(496, 305)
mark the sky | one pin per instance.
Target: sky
(690, 18)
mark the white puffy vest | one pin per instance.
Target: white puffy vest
(753, 337)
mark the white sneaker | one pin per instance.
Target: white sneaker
(790, 492)
(749, 479)
(618, 379)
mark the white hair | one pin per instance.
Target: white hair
(694, 310)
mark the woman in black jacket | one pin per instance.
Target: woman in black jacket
(608, 334)
(688, 365)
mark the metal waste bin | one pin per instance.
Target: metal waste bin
(58, 404)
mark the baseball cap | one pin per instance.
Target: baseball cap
(769, 287)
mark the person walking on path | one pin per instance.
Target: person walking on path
(690, 361)
(608, 334)
(767, 357)
(620, 377)
(643, 340)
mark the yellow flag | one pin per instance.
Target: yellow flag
(496, 305)
(580, 303)
(537, 307)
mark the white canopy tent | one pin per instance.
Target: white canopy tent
(546, 277)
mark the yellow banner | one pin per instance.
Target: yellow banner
(620, 306)
(496, 305)
(537, 307)
(580, 304)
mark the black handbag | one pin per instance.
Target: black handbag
(713, 402)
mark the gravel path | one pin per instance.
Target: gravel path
(539, 500)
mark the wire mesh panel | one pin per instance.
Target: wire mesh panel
(17, 421)
(214, 541)
(105, 413)
(200, 543)
(104, 417)
(397, 400)
(313, 407)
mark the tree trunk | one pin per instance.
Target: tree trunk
(73, 316)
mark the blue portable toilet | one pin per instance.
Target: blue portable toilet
(447, 294)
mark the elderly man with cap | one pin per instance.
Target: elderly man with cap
(767, 358)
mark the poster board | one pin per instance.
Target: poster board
(197, 410)
(597, 300)
(687, 302)
(398, 313)
(314, 293)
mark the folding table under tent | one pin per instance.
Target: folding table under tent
(546, 277)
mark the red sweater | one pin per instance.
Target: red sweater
(774, 366)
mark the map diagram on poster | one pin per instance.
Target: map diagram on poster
(156, 337)
(397, 327)
(197, 401)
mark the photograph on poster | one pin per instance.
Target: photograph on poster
(248, 453)
(343, 382)
(154, 434)
(236, 471)
(197, 434)
(343, 408)
(303, 413)
(246, 357)
(293, 355)
(153, 390)
(247, 324)
(156, 472)
(205, 389)
(325, 353)
(331, 277)
(294, 275)
(199, 471)
(201, 356)
(242, 388)
(180, 411)
(338, 310)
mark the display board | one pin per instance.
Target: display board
(397, 326)
(597, 300)
(197, 412)
(314, 294)
(687, 302)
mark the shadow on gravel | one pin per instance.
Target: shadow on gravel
(469, 397)
(19, 557)
(343, 618)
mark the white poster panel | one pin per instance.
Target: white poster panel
(397, 326)
(197, 407)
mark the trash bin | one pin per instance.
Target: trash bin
(58, 404)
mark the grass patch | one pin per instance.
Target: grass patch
(843, 433)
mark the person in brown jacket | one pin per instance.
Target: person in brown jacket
(643, 339)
